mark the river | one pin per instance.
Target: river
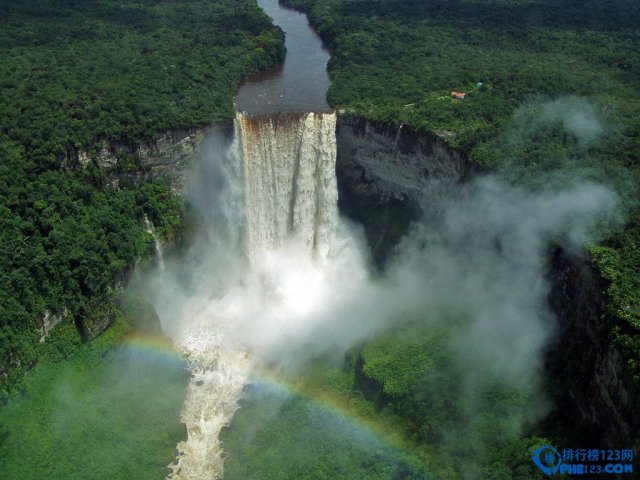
(301, 82)
(282, 165)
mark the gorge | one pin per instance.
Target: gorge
(347, 294)
(295, 283)
(282, 197)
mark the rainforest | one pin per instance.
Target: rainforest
(264, 240)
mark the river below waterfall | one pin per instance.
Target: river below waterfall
(277, 180)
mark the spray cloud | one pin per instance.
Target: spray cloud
(481, 259)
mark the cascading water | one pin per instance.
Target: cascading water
(289, 195)
(149, 228)
(289, 163)
(299, 278)
(395, 143)
(275, 193)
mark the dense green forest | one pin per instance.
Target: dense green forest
(76, 73)
(529, 69)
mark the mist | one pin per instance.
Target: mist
(577, 116)
(480, 263)
(105, 413)
(483, 253)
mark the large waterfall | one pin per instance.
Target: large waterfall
(289, 163)
(287, 174)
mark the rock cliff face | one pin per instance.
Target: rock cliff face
(596, 400)
(388, 176)
(168, 154)
(49, 320)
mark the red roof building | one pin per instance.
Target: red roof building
(458, 95)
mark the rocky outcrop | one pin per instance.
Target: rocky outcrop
(141, 315)
(370, 388)
(388, 176)
(168, 154)
(49, 320)
(401, 162)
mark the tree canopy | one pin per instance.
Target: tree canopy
(76, 73)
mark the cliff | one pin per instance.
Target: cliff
(388, 176)
(596, 398)
(167, 154)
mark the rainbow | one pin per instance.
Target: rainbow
(152, 345)
(341, 408)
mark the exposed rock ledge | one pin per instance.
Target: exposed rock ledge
(49, 320)
(168, 154)
(388, 176)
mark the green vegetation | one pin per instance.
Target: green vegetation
(466, 428)
(398, 61)
(110, 411)
(284, 435)
(384, 414)
(74, 74)
(532, 72)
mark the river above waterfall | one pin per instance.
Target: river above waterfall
(299, 84)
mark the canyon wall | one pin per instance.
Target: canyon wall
(596, 400)
(389, 176)
(168, 154)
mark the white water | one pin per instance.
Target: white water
(289, 163)
(395, 143)
(290, 214)
(217, 379)
(149, 228)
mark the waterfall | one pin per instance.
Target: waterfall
(148, 226)
(289, 179)
(395, 143)
(289, 191)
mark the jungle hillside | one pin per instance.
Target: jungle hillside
(73, 74)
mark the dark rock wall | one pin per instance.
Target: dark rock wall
(597, 403)
(168, 154)
(390, 176)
